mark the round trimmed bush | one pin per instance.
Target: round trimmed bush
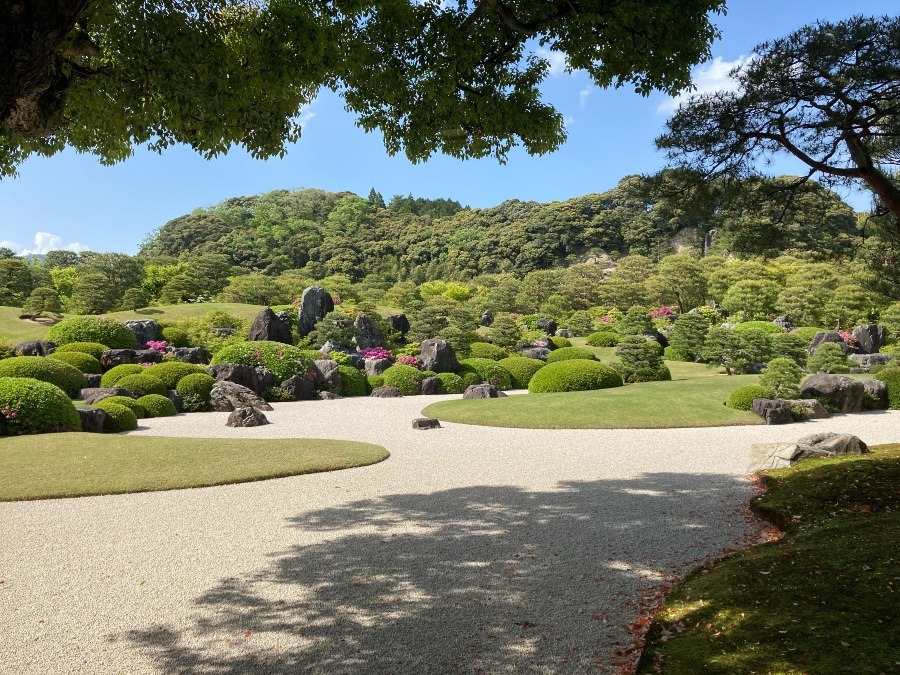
(672, 354)
(169, 372)
(175, 337)
(66, 377)
(574, 375)
(603, 338)
(194, 391)
(766, 327)
(157, 406)
(373, 382)
(142, 384)
(491, 371)
(486, 350)
(283, 360)
(92, 329)
(522, 369)
(118, 417)
(112, 376)
(560, 342)
(891, 377)
(742, 397)
(807, 332)
(569, 353)
(469, 377)
(353, 381)
(451, 383)
(33, 406)
(94, 349)
(84, 362)
(406, 378)
(133, 405)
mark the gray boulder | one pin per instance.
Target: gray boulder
(543, 343)
(144, 330)
(399, 323)
(92, 419)
(198, 355)
(764, 456)
(869, 360)
(836, 392)
(481, 391)
(328, 396)
(487, 318)
(830, 444)
(175, 397)
(315, 303)
(869, 338)
(824, 336)
(438, 356)
(94, 395)
(386, 392)
(547, 325)
(227, 396)
(368, 332)
(299, 388)
(93, 379)
(431, 386)
(875, 395)
(773, 410)
(256, 378)
(783, 323)
(425, 423)
(377, 366)
(565, 333)
(269, 326)
(813, 408)
(35, 348)
(327, 373)
(246, 417)
(116, 357)
(535, 353)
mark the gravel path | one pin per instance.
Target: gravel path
(471, 549)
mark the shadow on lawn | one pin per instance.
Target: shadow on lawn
(482, 579)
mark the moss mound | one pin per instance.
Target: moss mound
(742, 397)
(574, 375)
(132, 404)
(92, 329)
(451, 383)
(486, 350)
(95, 349)
(83, 362)
(32, 406)
(112, 376)
(570, 353)
(490, 371)
(142, 384)
(560, 342)
(118, 417)
(157, 406)
(521, 369)
(170, 372)
(194, 391)
(66, 377)
(406, 378)
(353, 381)
(603, 338)
(283, 360)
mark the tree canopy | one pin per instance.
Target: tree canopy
(455, 77)
(827, 94)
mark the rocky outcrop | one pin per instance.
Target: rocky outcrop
(874, 395)
(299, 388)
(783, 323)
(869, 360)
(35, 348)
(773, 410)
(812, 408)
(438, 356)
(327, 373)
(144, 330)
(377, 366)
(836, 392)
(487, 318)
(824, 336)
(535, 353)
(315, 303)
(227, 396)
(547, 325)
(368, 332)
(246, 417)
(116, 357)
(269, 326)
(764, 456)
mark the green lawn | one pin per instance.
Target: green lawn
(694, 402)
(14, 330)
(823, 599)
(171, 313)
(79, 464)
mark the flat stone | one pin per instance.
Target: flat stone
(94, 395)
(425, 423)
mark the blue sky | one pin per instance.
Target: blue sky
(71, 201)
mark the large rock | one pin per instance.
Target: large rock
(315, 303)
(256, 378)
(227, 396)
(830, 444)
(94, 395)
(144, 330)
(487, 318)
(547, 325)
(386, 392)
(35, 348)
(869, 360)
(824, 336)
(299, 388)
(431, 386)
(875, 396)
(535, 353)
(783, 323)
(399, 323)
(198, 355)
(269, 326)
(438, 356)
(482, 391)
(426, 423)
(813, 408)
(246, 417)
(175, 397)
(773, 410)
(836, 392)
(116, 357)
(93, 379)
(377, 366)
(92, 419)
(327, 373)
(869, 338)
(765, 456)
(368, 332)
(565, 333)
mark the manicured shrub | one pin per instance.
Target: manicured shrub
(84, 362)
(157, 406)
(485, 350)
(574, 375)
(568, 353)
(66, 377)
(94, 349)
(560, 342)
(766, 327)
(170, 372)
(132, 404)
(406, 378)
(33, 406)
(283, 360)
(175, 336)
(113, 375)
(373, 382)
(353, 381)
(521, 369)
(635, 322)
(469, 377)
(603, 338)
(194, 391)
(206, 331)
(891, 377)
(142, 384)
(828, 358)
(640, 360)
(742, 397)
(451, 383)
(688, 336)
(782, 376)
(491, 372)
(790, 346)
(670, 353)
(807, 333)
(92, 329)
(118, 417)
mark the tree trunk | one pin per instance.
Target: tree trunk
(878, 182)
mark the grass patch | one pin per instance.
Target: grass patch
(823, 599)
(16, 330)
(76, 464)
(697, 402)
(172, 313)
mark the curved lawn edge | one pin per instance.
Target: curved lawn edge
(649, 405)
(54, 466)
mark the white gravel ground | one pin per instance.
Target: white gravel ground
(471, 549)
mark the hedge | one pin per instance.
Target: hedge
(742, 397)
(112, 376)
(406, 378)
(95, 349)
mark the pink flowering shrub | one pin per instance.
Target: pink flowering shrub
(377, 353)
(158, 345)
(409, 361)
(847, 338)
(660, 312)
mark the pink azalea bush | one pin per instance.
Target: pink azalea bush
(377, 353)
(660, 312)
(158, 345)
(409, 361)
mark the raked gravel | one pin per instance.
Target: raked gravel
(471, 549)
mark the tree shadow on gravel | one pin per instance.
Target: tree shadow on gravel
(481, 579)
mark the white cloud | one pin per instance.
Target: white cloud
(711, 77)
(306, 113)
(584, 94)
(557, 60)
(5, 243)
(45, 241)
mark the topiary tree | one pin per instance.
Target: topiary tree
(790, 346)
(31, 406)
(68, 378)
(828, 358)
(635, 322)
(574, 375)
(505, 332)
(756, 344)
(43, 300)
(640, 360)
(890, 319)
(722, 347)
(783, 377)
(581, 323)
(175, 336)
(134, 298)
(92, 329)
(688, 335)
(335, 327)
(850, 306)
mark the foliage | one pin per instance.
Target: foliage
(118, 417)
(42, 301)
(177, 337)
(790, 346)
(486, 350)
(16, 281)
(688, 333)
(567, 353)
(142, 384)
(742, 397)
(94, 349)
(783, 377)
(112, 376)
(751, 298)
(767, 327)
(335, 327)
(490, 371)
(353, 381)
(66, 377)
(891, 377)
(206, 331)
(505, 331)
(722, 347)
(828, 358)
(170, 372)
(451, 383)
(849, 307)
(194, 391)
(132, 404)
(32, 406)
(581, 323)
(281, 359)
(84, 362)
(640, 360)
(157, 406)
(405, 378)
(574, 375)
(635, 322)
(521, 369)
(560, 342)
(92, 329)
(603, 339)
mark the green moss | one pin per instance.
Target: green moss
(194, 391)
(170, 372)
(568, 353)
(521, 369)
(406, 378)
(491, 372)
(142, 384)
(94, 349)
(92, 329)
(742, 397)
(157, 406)
(83, 362)
(66, 377)
(118, 417)
(34, 406)
(112, 376)
(574, 375)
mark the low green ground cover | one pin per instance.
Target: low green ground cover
(76, 464)
(697, 402)
(823, 599)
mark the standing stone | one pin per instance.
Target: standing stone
(869, 338)
(431, 386)
(175, 397)
(487, 318)
(227, 396)
(547, 325)
(35, 348)
(327, 373)
(92, 419)
(269, 326)
(246, 417)
(438, 356)
(315, 303)
(827, 336)
(368, 332)
(773, 411)
(399, 323)
(836, 392)
(144, 330)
